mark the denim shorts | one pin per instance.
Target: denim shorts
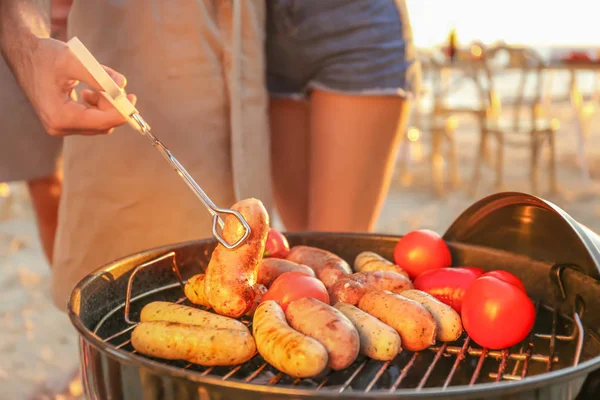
(356, 47)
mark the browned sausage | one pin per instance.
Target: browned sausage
(231, 274)
(328, 267)
(289, 351)
(270, 268)
(347, 291)
(193, 343)
(415, 325)
(259, 291)
(370, 261)
(351, 289)
(383, 280)
(328, 326)
(194, 290)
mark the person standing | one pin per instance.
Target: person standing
(341, 74)
(28, 153)
(197, 67)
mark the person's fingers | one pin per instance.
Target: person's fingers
(132, 98)
(81, 118)
(91, 97)
(117, 77)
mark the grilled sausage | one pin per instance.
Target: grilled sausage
(377, 340)
(259, 291)
(270, 268)
(415, 325)
(172, 312)
(194, 291)
(196, 344)
(284, 348)
(328, 326)
(448, 321)
(347, 291)
(369, 261)
(383, 280)
(231, 274)
(351, 289)
(328, 267)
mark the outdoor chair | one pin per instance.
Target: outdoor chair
(515, 116)
(434, 116)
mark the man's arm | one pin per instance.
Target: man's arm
(47, 72)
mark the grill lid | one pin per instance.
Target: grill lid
(527, 225)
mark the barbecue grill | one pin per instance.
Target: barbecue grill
(555, 257)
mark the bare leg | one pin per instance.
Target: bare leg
(45, 196)
(289, 157)
(354, 141)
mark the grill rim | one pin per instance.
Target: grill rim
(533, 382)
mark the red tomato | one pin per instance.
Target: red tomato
(478, 271)
(448, 285)
(277, 245)
(292, 286)
(497, 314)
(506, 277)
(421, 251)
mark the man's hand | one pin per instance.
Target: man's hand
(48, 72)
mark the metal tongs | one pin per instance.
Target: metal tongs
(119, 100)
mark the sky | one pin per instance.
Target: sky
(530, 22)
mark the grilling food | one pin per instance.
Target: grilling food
(415, 325)
(277, 245)
(347, 291)
(420, 251)
(369, 261)
(194, 291)
(329, 327)
(497, 314)
(196, 344)
(506, 277)
(269, 269)
(292, 286)
(448, 285)
(259, 294)
(231, 274)
(449, 325)
(368, 281)
(383, 280)
(289, 351)
(328, 267)
(172, 312)
(377, 340)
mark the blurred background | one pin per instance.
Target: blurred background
(510, 101)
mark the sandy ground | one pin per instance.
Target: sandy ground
(38, 345)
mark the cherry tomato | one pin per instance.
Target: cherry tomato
(291, 286)
(277, 245)
(497, 314)
(506, 277)
(421, 251)
(448, 285)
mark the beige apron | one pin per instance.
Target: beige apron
(120, 195)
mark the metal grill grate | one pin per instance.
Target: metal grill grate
(450, 364)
